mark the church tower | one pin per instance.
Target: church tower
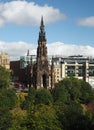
(42, 69)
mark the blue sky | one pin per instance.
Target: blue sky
(68, 24)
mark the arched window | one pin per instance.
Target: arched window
(44, 77)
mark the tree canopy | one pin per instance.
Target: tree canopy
(59, 109)
(43, 117)
(4, 77)
(73, 89)
(8, 98)
(43, 96)
(5, 118)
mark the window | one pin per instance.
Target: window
(80, 71)
(70, 70)
(91, 70)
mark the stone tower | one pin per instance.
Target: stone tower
(42, 74)
(42, 69)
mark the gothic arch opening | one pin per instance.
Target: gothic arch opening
(44, 80)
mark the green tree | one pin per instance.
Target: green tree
(68, 94)
(87, 93)
(75, 119)
(43, 96)
(5, 119)
(43, 117)
(60, 93)
(67, 90)
(30, 98)
(60, 109)
(73, 89)
(19, 118)
(4, 78)
(8, 98)
(72, 85)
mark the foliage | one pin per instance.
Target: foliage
(21, 98)
(31, 95)
(5, 119)
(8, 98)
(4, 78)
(73, 89)
(60, 109)
(43, 117)
(68, 94)
(87, 94)
(75, 119)
(30, 99)
(40, 96)
(60, 94)
(43, 96)
(19, 118)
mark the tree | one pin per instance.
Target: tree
(4, 78)
(67, 90)
(73, 89)
(60, 93)
(8, 98)
(30, 98)
(5, 119)
(42, 117)
(87, 93)
(19, 119)
(72, 85)
(74, 118)
(43, 96)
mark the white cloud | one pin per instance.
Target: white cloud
(17, 49)
(60, 48)
(27, 13)
(88, 21)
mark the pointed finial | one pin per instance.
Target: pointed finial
(28, 53)
(42, 24)
(42, 21)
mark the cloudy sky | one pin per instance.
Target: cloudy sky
(69, 26)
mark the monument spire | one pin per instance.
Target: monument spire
(42, 59)
(41, 74)
(42, 25)
(42, 32)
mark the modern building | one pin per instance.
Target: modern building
(25, 60)
(75, 66)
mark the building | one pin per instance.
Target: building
(19, 68)
(25, 60)
(17, 73)
(76, 66)
(41, 73)
(35, 70)
(4, 60)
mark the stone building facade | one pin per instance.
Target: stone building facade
(4, 60)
